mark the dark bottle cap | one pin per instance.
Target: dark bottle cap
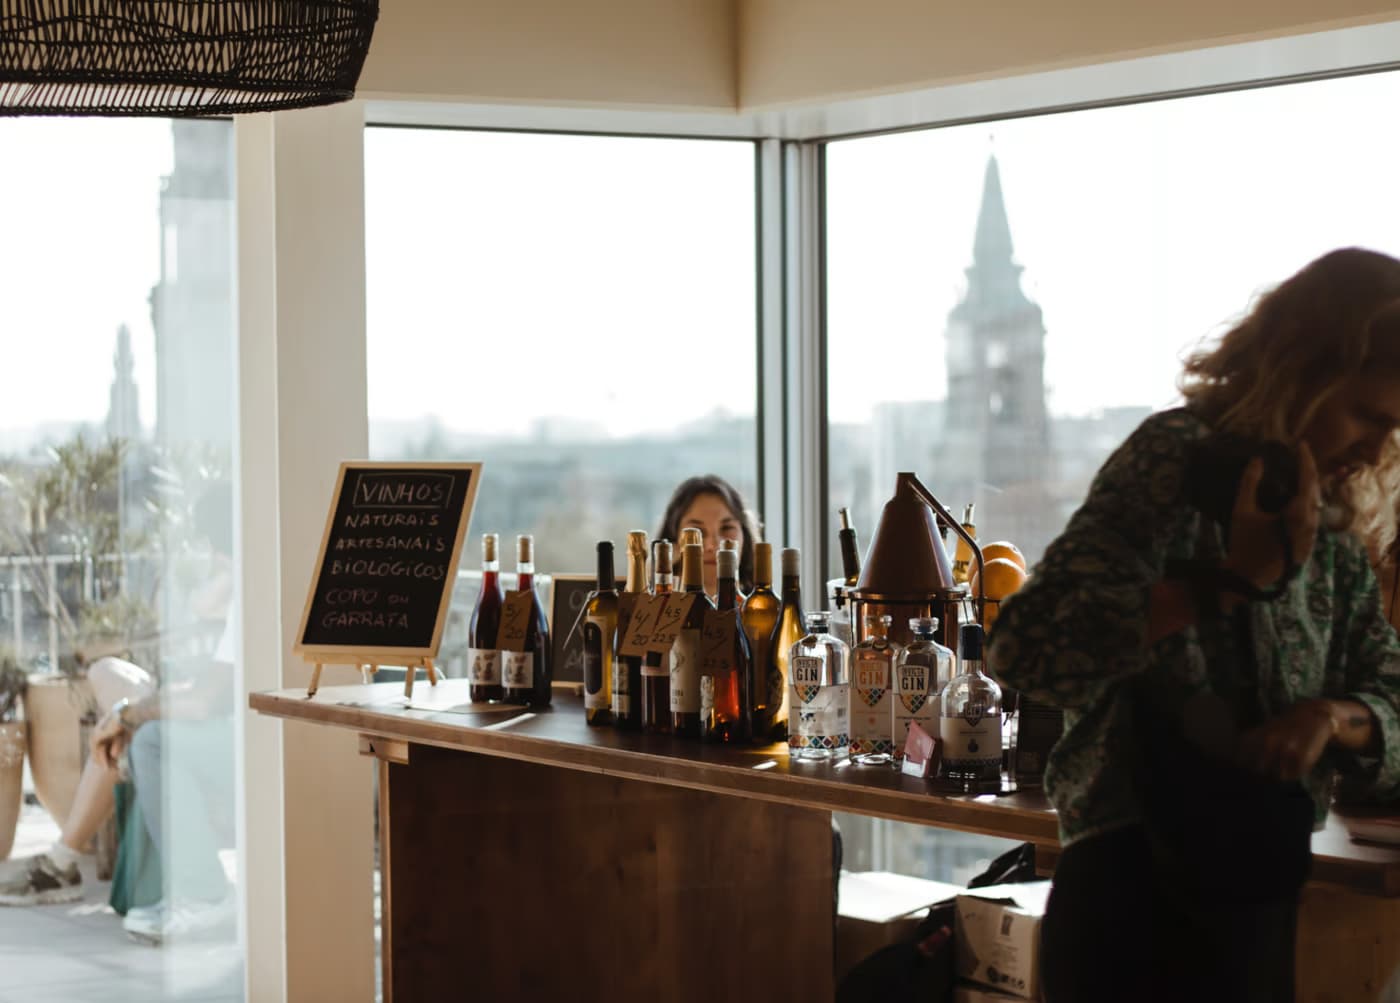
(970, 642)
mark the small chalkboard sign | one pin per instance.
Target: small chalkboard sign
(569, 595)
(388, 559)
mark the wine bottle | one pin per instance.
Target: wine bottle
(627, 670)
(850, 549)
(483, 658)
(599, 638)
(962, 555)
(791, 628)
(970, 721)
(686, 651)
(528, 674)
(759, 619)
(726, 660)
(656, 670)
(821, 702)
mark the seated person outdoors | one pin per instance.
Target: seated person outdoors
(713, 506)
(178, 737)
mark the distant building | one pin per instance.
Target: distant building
(123, 407)
(995, 449)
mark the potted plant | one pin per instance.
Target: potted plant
(12, 743)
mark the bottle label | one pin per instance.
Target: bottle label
(621, 689)
(872, 721)
(707, 696)
(820, 714)
(484, 666)
(913, 702)
(972, 741)
(685, 672)
(518, 669)
(597, 654)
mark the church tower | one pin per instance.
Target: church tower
(996, 439)
(123, 406)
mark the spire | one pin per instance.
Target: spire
(123, 411)
(994, 279)
(992, 245)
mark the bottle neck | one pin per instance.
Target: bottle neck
(491, 577)
(728, 597)
(525, 575)
(607, 581)
(662, 585)
(792, 588)
(637, 573)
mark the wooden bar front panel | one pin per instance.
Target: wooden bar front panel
(512, 881)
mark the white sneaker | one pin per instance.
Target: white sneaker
(39, 880)
(159, 923)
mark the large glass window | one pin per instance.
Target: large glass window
(1008, 300)
(116, 561)
(578, 312)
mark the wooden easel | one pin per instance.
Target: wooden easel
(369, 667)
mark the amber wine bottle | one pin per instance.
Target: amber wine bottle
(791, 628)
(627, 670)
(656, 669)
(726, 658)
(599, 639)
(759, 618)
(686, 652)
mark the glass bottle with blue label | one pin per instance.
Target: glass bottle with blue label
(819, 694)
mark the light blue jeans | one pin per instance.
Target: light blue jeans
(184, 777)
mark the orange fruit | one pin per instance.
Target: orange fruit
(1003, 576)
(1007, 549)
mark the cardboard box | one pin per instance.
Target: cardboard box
(877, 908)
(968, 992)
(998, 936)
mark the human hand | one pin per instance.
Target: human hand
(1289, 746)
(1255, 554)
(109, 740)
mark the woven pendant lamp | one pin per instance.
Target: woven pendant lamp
(183, 58)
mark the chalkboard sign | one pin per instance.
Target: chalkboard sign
(388, 559)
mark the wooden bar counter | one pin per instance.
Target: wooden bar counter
(525, 855)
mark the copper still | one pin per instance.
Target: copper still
(907, 573)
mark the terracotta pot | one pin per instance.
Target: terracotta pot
(53, 707)
(11, 782)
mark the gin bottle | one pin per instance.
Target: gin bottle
(970, 720)
(872, 693)
(819, 703)
(921, 669)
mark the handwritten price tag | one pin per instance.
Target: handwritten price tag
(717, 645)
(515, 621)
(637, 635)
(669, 622)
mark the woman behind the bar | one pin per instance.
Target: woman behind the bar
(1205, 717)
(712, 505)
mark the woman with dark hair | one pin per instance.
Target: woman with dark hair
(712, 505)
(1220, 663)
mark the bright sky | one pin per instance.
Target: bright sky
(79, 253)
(515, 276)
(1141, 229)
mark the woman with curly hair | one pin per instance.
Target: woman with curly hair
(1219, 665)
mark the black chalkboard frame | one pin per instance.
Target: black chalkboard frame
(336, 654)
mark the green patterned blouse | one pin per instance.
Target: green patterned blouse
(1077, 632)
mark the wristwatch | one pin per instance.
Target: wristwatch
(121, 711)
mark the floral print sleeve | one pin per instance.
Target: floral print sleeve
(1080, 622)
(1366, 667)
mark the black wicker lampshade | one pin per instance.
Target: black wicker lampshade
(184, 58)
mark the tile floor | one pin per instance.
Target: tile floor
(77, 952)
